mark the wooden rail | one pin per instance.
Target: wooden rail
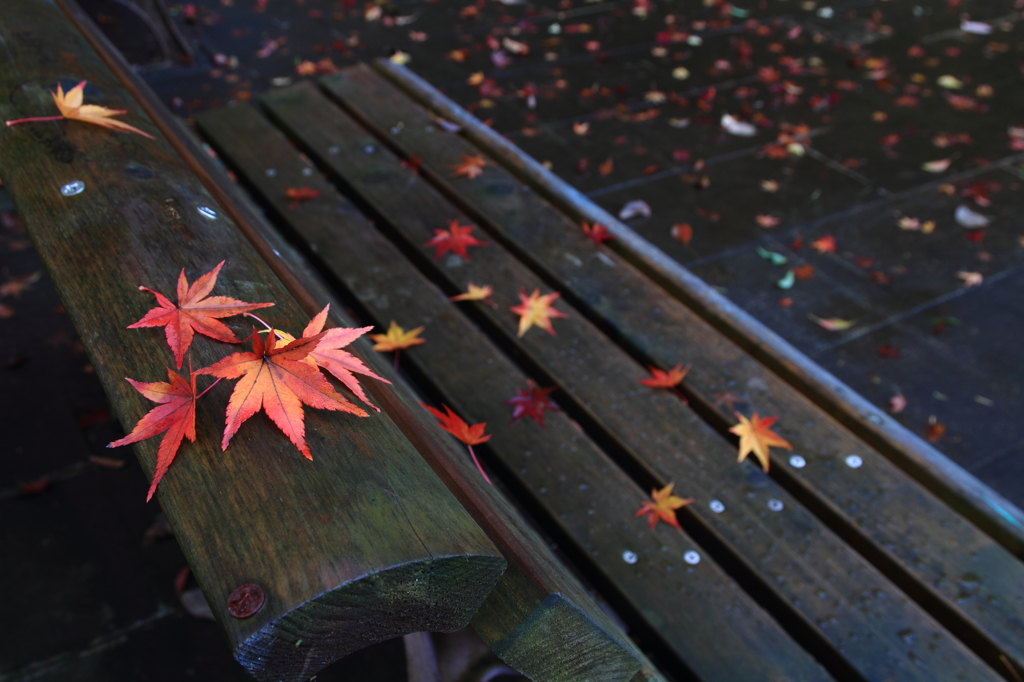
(327, 542)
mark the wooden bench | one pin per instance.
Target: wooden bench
(887, 565)
(388, 530)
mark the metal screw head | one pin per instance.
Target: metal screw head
(776, 505)
(208, 212)
(270, 172)
(874, 419)
(854, 462)
(72, 188)
(395, 130)
(797, 462)
(369, 149)
(629, 557)
(333, 150)
(307, 171)
(691, 558)
(716, 506)
(246, 600)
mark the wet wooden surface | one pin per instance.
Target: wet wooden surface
(258, 512)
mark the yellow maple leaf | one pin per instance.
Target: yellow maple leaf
(664, 506)
(477, 293)
(71, 107)
(397, 338)
(757, 436)
(536, 310)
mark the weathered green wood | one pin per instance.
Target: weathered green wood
(926, 548)
(708, 621)
(328, 540)
(792, 553)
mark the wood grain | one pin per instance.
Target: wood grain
(903, 529)
(581, 491)
(328, 540)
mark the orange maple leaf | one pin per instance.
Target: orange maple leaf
(328, 353)
(475, 293)
(597, 232)
(756, 436)
(455, 425)
(194, 313)
(826, 244)
(175, 414)
(662, 379)
(536, 310)
(397, 338)
(470, 166)
(664, 506)
(299, 195)
(71, 108)
(278, 381)
(455, 239)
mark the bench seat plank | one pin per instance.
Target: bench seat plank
(704, 617)
(794, 555)
(919, 542)
(326, 540)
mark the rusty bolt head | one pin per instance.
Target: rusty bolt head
(246, 600)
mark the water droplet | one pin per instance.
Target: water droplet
(691, 558)
(776, 505)
(369, 149)
(270, 172)
(629, 557)
(797, 462)
(72, 188)
(208, 212)
(854, 462)
(333, 150)
(716, 506)
(307, 171)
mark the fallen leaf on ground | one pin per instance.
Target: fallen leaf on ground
(469, 167)
(897, 403)
(72, 108)
(455, 239)
(970, 279)
(757, 437)
(635, 208)
(16, 286)
(826, 244)
(939, 166)
(195, 312)
(766, 221)
(682, 232)
(397, 338)
(475, 293)
(278, 381)
(734, 126)
(107, 462)
(832, 324)
(536, 310)
(969, 218)
(175, 415)
(662, 379)
(663, 507)
(531, 402)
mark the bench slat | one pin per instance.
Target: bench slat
(712, 625)
(326, 540)
(794, 555)
(976, 501)
(898, 525)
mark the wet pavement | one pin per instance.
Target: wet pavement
(873, 187)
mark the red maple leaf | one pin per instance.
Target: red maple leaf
(299, 195)
(455, 425)
(455, 239)
(194, 313)
(597, 232)
(175, 414)
(531, 402)
(662, 379)
(826, 244)
(469, 166)
(278, 381)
